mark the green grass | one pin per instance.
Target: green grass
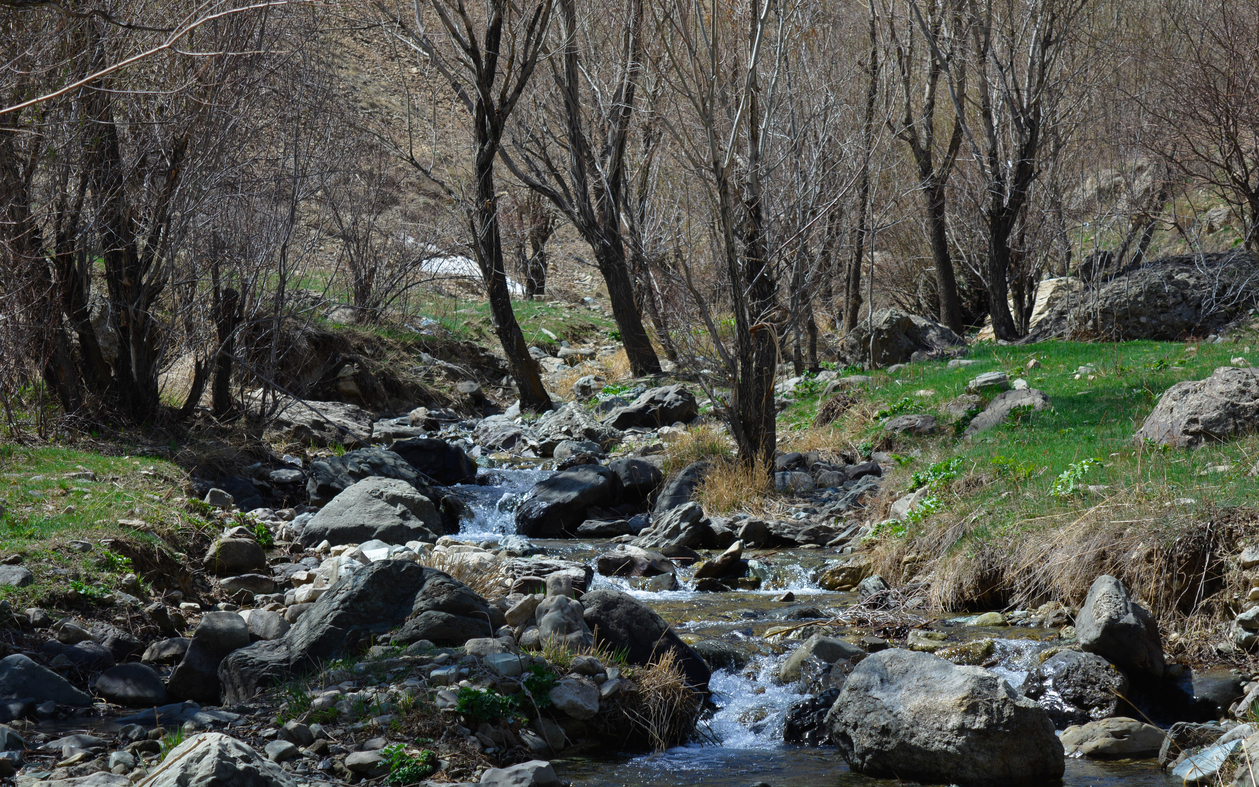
(1090, 418)
(49, 499)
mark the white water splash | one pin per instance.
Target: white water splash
(494, 507)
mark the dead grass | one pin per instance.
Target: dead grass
(733, 486)
(613, 368)
(660, 714)
(487, 581)
(705, 442)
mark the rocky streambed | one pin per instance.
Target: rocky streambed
(337, 657)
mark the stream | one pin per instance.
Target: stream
(744, 735)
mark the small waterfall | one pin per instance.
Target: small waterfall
(493, 505)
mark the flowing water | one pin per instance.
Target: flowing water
(744, 736)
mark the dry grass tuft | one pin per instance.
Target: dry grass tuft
(699, 443)
(487, 580)
(834, 408)
(733, 486)
(613, 368)
(661, 714)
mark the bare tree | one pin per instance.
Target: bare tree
(488, 62)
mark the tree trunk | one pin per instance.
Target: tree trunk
(999, 261)
(946, 279)
(609, 254)
(226, 318)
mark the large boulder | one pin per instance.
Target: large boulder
(196, 676)
(626, 625)
(333, 475)
(22, 678)
(1113, 738)
(387, 509)
(320, 424)
(1166, 299)
(684, 527)
(559, 504)
(234, 556)
(573, 422)
(359, 606)
(1196, 412)
(912, 716)
(655, 408)
(681, 488)
(896, 337)
(1076, 688)
(444, 463)
(1000, 408)
(213, 759)
(639, 478)
(1119, 630)
(133, 685)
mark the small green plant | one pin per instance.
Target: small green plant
(88, 591)
(895, 408)
(808, 386)
(482, 705)
(614, 389)
(889, 527)
(409, 768)
(614, 335)
(937, 475)
(262, 535)
(1069, 481)
(925, 508)
(1019, 415)
(172, 739)
(1013, 469)
(112, 561)
(959, 426)
(537, 683)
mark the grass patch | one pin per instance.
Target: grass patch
(542, 323)
(1033, 510)
(51, 496)
(733, 486)
(705, 442)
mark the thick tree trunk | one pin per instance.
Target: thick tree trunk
(610, 257)
(999, 261)
(946, 279)
(226, 318)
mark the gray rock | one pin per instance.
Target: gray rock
(501, 432)
(999, 409)
(1076, 688)
(1119, 630)
(359, 606)
(1197, 412)
(911, 424)
(573, 422)
(321, 424)
(166, 651)
(21, 678)
(333, 475)
(534, 773)
(640, 479)
(576, 696)
(622, 623)
(989, 382)
(795, 482)
(1184, 736)
(369, 764)
(215, 760)
(560, 622)
(387, 509)
(133, 685)
(655, 408)
(684, 527)
(580, 574)
(560, 503)
(196, 677)
(608, 528)
(10, 740)
(625, 560)
(280, 751)
(255, 584)
(896, 337)
(15, 576)
(1113, 738)
(588, 386)
(444, 463)
(827, 650)
(265, 624)
(219, 499)
(721, 655)
(567, 449)
(912, 716)
(233, 556)
(680, 490)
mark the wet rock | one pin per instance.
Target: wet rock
(721, 655)
(681, 489)
(387, 509)
(22, 678)
(561, 502)
(1119, 630)
(826, 650)
(1197, 412)
(847, 573)
(805, 720)
(444, 463)
(610, 528)
(361, 605)
(1216, 690)
(728, 563)
(1076, 688)
(215, 760)
(332, 475)
(975, 653)
(535, 773)
(133, 685)
(501, 432)
(622, 623)
(196, 677)
(1113, 738)
(655, 408)
(231, 556)
(625, 560)
(913, 716)
(320, 424)
(517, 569)
(1001, 407)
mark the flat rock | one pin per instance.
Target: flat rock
(999, 410)
(1113, 738)
(212, 759)
(20, 678)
